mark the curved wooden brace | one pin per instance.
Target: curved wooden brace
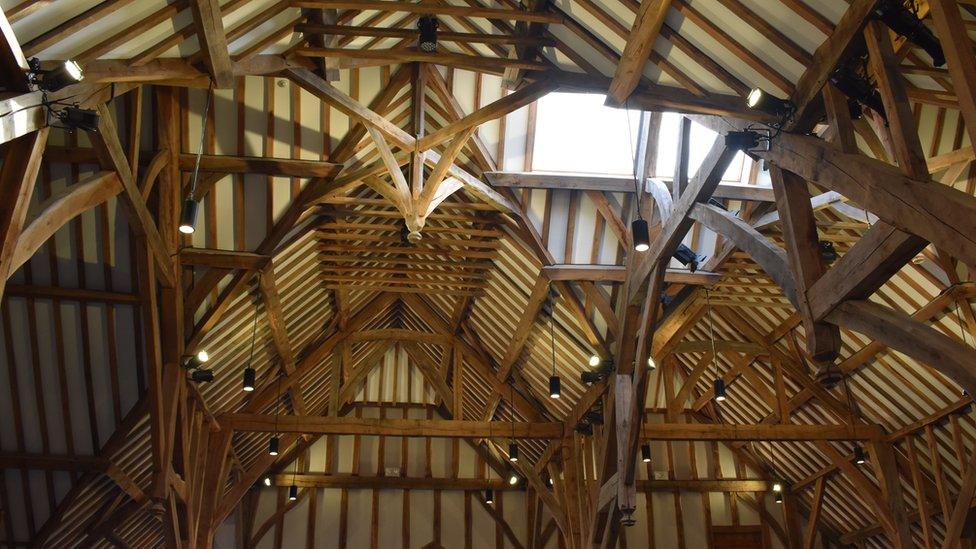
(662, 197)
(62, 208)
(903, 333)
(763, 251)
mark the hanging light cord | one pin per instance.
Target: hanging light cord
(203, 138)
(711, 328)
(277, 404)
(633, 156)
(254, 331)
(552, 338)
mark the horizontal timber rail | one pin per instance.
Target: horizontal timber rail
(538, 430)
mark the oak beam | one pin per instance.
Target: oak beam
(318, 425)
(618, 273)
(213, 41)
(18, 176)
(640, 42)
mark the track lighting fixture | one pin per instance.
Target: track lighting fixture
(63, 75)
(489, 496)
(854, 109)
(513, 479)
(777, 486)
(292, 492)
(249, 376)
(267, 481)
(769, 104)
(855, 86)
(584, 429)
(549, 482)
(273, 446)
(201, 375)
(859, 457)
(203, 356)
(188, 217)
(77, 118)
(513, 454)
(427, 25)
(650, 363)
(719, 386)
(687, 257)
(745, 140)
(594, 361)
(905, 22)
(827, 251)
(196, 360)
(554, 387)
(778, 498)
(640, 234)
(646, 453)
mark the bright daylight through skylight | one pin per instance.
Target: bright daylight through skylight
(576, 132)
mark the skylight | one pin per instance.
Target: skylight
(577, 133)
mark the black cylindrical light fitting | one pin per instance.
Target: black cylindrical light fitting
(428, 33)
(489, 496)
(640, 235)
(904, 22)
(554, 387)
(292, 492)
(188, 217)
(79, 118)
(513, 452)
(859, 457)
(719, 386)
(273, 446)
(202, 376)
(856, 87)
(646, 453)
(249, 378)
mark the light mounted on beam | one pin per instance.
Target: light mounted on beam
(905, 22)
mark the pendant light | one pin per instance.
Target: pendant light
(513, 450)
(292, 492)
(188, 217)
(554, 381)
(718, 385)
(267, 481)
(249, 374)
(489, 496)
(273, 445)
(860, 458)
(639, 233)
(646, 453)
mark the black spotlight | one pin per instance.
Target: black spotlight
(594, 417)
(489, 496)
(646, 453)
(854, 109)
(249, 377)
(859, 457)
(857, 87)
(292, 492)
(273, 446)
(827, 251)
(769, 104)
(428, 33)
(905, 22)
(512, 451)
(584, 429)
(640, 234)
(590, 377)
(719, 386)
(188, 217)
(79, 119)
(778, 498)
(554, 387)
(62, 76)
(687, 257)
(202, 376)
(549, 482)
